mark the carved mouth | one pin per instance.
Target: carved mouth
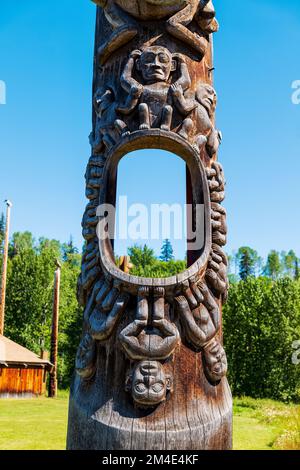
(156, 74)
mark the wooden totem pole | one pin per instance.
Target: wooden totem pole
(151, 368)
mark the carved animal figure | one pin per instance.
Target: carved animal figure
(177, 13)
(155, 96)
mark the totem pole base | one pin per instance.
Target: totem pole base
(199, 419)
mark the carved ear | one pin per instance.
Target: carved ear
(169, 382)
(128, 383)
(179, 57)
(173, 66)
(138, 65)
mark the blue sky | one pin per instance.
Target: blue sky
(46, 63)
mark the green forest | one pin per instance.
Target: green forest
(261, 317)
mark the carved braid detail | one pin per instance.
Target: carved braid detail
(216, 274)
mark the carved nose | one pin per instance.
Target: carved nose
(147, 380)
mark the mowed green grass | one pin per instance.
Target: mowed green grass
(41, 424)
(36, 424)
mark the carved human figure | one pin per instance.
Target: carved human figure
(154, 96)
(102, 314)
(215, 361)
(155, 340)
(201, 325)
(208, 136)
(108, 127)
(110, 304)
(201, 322)
(148, 383)
(178, 14)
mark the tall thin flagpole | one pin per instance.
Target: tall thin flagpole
(4, 267)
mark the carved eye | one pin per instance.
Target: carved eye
(158, 387)
(148, 58)
(140, 387)
(164, 58)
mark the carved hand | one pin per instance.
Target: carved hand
(135, 54)
(176, 90)
(85, 357)
(136, 90)
(216, 274)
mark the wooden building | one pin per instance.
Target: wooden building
(22, 373)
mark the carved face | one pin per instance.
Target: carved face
(156, 64)
(103, 100)
(215, 361)
(207, 96)
(149, 383)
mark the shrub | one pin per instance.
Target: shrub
(261, 322)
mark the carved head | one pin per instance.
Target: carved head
(215, 361)
(148, 383)
(103, 99)
(207, 96)
(156, 64)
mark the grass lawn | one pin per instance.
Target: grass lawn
(41, 424)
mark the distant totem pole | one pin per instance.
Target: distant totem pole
(151, 368)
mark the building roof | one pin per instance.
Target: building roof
(12, 353)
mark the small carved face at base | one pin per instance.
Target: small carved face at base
(148, 383)
(215, 361)
(156, 64)
(207, 96)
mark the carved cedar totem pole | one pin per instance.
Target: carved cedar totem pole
(151, 368)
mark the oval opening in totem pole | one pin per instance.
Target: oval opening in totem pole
(151, 368)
